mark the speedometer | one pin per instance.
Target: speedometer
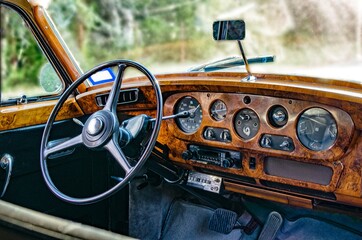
(317, 129)
(192, 123)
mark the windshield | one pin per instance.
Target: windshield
(310, 38)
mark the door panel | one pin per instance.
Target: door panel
(80, 174)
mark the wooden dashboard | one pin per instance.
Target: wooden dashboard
(299, 176)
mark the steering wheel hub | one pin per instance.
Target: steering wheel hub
(95, 126)
(99, 129)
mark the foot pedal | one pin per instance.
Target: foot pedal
(223, 221)
(271, 226)
(247, 223)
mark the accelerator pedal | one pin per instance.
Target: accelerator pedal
(271, 227)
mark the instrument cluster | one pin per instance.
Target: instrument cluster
(315, 127)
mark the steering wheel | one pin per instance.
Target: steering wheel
(103, 131)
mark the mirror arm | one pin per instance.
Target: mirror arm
(250, 77)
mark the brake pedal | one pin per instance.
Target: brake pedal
(223, 221)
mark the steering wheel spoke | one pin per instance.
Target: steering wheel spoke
(111, 104)
(63, 146)
(118, 155)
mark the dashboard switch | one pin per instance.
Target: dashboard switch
(209, 134)
(266, 141)
(284, 144)
(252, 163)
(217, 134)
(277, 142)
(225, 136)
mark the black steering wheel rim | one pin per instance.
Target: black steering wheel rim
(146, 152)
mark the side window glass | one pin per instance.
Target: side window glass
(24, 68)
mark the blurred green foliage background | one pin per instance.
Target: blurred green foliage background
(160, 33)
(144, 30)
(20, 55)
(173, 35)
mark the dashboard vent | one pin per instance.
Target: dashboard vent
(125, 96)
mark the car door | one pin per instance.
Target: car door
(29, 89)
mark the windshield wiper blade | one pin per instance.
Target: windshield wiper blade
(230, 62)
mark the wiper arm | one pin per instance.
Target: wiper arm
(230, 62)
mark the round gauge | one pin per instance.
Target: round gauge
(193, 122)
(246, 123)
(218, 110)
(317, 129)
(278, 116)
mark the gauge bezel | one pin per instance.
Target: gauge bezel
(178, 120)
(214, 117)
(304, 144)
(235, 128)
(272, 122)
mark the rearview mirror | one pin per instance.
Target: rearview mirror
(229, 30)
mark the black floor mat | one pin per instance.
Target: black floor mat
(148, 208)
(189, 221)
(155, 214)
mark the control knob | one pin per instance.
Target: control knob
(187, 155)
(245, 117)
(227, 163)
